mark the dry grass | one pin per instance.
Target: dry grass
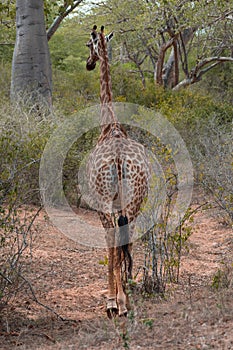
(196, 314)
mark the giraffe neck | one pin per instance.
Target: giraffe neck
(107, 113)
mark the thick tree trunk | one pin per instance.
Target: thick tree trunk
(160, 62)
(171, 68)
(31, 67)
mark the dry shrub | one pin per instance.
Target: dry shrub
(23, 135)
(213, 152)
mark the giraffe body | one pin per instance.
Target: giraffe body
(118, 174)
(118, 164)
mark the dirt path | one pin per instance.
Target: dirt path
(71, 279)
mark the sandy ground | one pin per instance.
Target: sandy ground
(70, 279)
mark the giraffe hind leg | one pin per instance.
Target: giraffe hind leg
(112, 308)
(122, 257)
(121, 297)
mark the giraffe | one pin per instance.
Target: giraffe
(118, 176)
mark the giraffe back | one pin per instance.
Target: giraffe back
(118, 171)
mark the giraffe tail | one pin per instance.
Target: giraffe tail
(123, 246)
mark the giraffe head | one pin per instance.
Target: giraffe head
(97, 46)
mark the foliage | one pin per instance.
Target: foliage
(223, 277)
(22, 139)
(74, 87)
(164, 243)
(70, 94)
(206, 127)
(187, 107)
(52, 9)
(128, 88)
(213, 152)
(7, 30)
(163, 250)
(16, 236)
(219, 82)
(72, 164)
(176, 42)
(5, 77)
(7, 13)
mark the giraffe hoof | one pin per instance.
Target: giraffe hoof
(112, 312)
(123, 314)
(112, 309)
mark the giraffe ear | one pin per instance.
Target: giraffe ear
(109, 37)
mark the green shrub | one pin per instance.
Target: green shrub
(127, 87)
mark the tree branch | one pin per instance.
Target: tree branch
(197, 72)
(136, 59)
(176, 63)
(56, 23)
(7, 44)
(221, 17)
(34, 298)
(208, 60)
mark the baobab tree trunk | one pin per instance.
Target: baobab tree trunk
(31, 67)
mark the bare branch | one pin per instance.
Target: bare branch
(208, 60)
(176, 63)
(205, 70)
(197, 72)
(5, 278)
(7, 44)
(226, 14)
(34, 298)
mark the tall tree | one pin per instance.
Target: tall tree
(31, 66)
